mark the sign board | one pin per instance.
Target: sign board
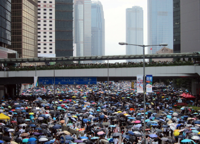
(149, 83)
(67, 80)
(139, 84)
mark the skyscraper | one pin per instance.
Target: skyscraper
(134, 30)
(46, 28)
(98, 29)
(160, 23)
(24, 27)
(176, 26)
(186, 25)
(82, 27)
(64, 28)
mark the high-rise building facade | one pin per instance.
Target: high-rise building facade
(82, 27)
(189, 26)
(46, 28)
(5, 23)
(134, 30)
(63, 28)
(160, 23)
(176, 26)
(24, 27)
(98, 29)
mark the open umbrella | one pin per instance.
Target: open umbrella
(43, 139)
(25, 140)
(153, 135)
(186, 141)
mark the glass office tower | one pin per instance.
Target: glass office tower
(82, 27)
(98, 29)
(134, 31)
(64, 28)
(160, 23)
(5, 23)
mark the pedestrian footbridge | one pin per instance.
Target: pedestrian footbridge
(161, 71)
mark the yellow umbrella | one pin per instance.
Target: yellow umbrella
(74, 116)
(31, 113)
(61, 100)
(73, 96)
(125, 114)
(119, 112)
(176, 133)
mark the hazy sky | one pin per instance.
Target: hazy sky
(115, 23)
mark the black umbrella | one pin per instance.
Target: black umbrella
(88, 142)
(6, 138)
(116, 135)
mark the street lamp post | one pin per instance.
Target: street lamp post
(144, 90)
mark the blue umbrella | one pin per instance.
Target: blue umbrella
(85, 120)
(32, 125)
(32, 139)
(186, 140)
(57, 126)
(38, 128)
(83, 137)
(130, 132)
(68, 137)
(131, 118)
(153, 135)
(169, 116)
(112, 126)
(1, 141)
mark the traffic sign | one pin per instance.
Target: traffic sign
(67, 80)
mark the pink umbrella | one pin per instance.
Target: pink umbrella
(137, 121)
(100, 133)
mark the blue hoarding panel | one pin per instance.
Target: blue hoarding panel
(67, 80)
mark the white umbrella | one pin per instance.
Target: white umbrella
(11, 130)
(40, 118)
(164, 138)
(43, 139)
(195, 137)
(23, 125)
(175, 114)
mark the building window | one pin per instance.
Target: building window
(38, 43)
(50, 40)
(44, 25)
(38, 51)
(50, 52)
(50, 36)
(45, 9)
(45, 36)
(50, 9)
(50, 25)
(50, 32)
(38, 20)
(45, 32)
(44, 17)
(50, 44)
(45, 48)
(45, 52)
(45, 44)
(38, 47)
(50, 48)
(50, 28)
(50, 13)
(45, 40)
(44, 28)
(44, 1)
(50, 17)
(50, 21)
(45, 13)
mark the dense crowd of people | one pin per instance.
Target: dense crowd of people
(98, 114)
